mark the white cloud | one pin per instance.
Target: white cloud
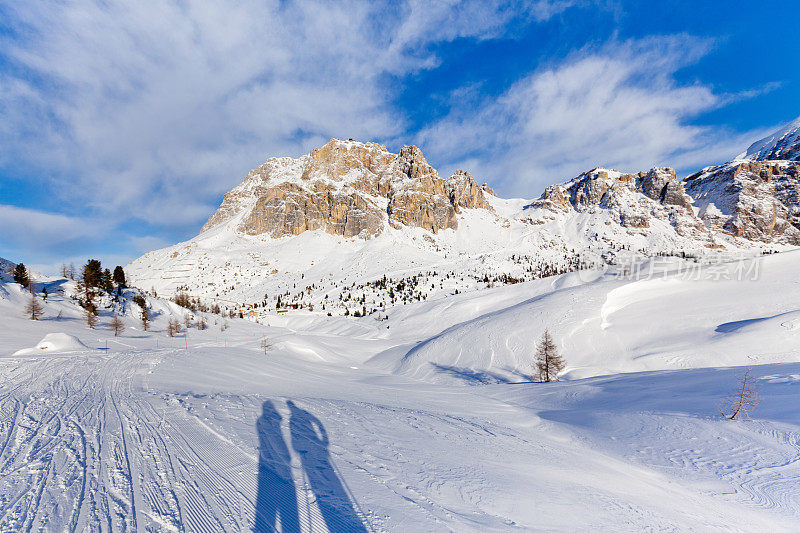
(29, 228)
(152, 109)
(618, 106)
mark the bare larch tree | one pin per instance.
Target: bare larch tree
(548, 361)
(739, 403)
(266, 345)
(116, 325)
(173, 327)
(90, 318)
(33, 308)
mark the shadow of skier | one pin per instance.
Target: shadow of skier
(310, 441)
(276, 500)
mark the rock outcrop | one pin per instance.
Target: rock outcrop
(756, 200)
(633, 201)
(350, 189)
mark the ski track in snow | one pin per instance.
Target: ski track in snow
(91, 450)
(330, 432)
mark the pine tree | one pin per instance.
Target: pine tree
(116, 325)
(548, 362)
(105, 281)
(21, 275)
(145, 318)
(93, 273)
(119, 276)
(33, 308)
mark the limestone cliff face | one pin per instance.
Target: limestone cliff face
(350, 189)
(757, 200)
(634, 201)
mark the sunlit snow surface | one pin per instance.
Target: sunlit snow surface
(427, 425)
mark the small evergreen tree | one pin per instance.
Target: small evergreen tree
(116, 325)
(105, 281)
(145, 318)
(119, 276)
(93, 273)
(548, 362)
(139, 300)
(33, 308)
(21, 275)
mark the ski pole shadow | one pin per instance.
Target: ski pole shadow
(310, 441)
(276, 499)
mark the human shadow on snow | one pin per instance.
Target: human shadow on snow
(276, 499)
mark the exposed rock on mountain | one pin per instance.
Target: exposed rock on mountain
(756, 200)
(350, 189)
(390, 230)
(784, 144)
(633, 201)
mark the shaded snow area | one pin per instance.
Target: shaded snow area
(420, 421)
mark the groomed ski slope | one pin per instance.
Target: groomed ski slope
(346, 425)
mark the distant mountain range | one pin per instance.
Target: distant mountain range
(340, 229)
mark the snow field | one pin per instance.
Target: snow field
(428, 425)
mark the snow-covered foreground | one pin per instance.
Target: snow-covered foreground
(346, 425)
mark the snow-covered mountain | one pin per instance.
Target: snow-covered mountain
(5, 267)
(353, 228)
(784, 144)
(757, 200)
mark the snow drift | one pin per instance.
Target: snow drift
(55, 343)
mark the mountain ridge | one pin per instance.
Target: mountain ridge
(352, 226)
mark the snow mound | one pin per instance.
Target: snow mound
(55, 343)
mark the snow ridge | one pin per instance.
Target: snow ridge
(784, 144)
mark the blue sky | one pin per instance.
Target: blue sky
(123, 123)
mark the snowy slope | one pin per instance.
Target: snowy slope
(5, 266)
(783, 144)
(344, 425)
(671, 315)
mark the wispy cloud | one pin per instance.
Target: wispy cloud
(152, 109)
(29, 228)
(619, 105)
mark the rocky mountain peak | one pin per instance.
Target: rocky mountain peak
(634, 201)
(347, 188)
(413, 164)
(757, 200)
